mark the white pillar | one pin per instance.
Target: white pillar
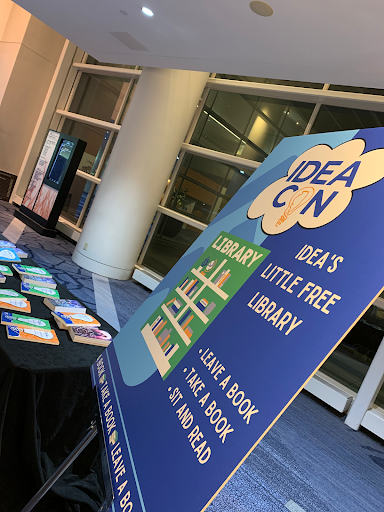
(368, 391)
(141, 161)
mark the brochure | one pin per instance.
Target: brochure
(9, 255)
(6, 271)
(5, 243)
(32, 271)
(37, 335)
(90, 336)
(15, 305)
(17, 320)
(40, 291)
(76, 319)
(65, 305)
(11, 294)
(47, 282)
(20, 252)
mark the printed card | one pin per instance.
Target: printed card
(29, 334)
(40, 291)
(17, 320)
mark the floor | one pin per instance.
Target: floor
(310, 461)
(311, 458)
(115, 301)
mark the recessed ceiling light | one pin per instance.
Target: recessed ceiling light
(147, 11)
(124, 13)
(261, 8)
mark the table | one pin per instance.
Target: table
(46, 406)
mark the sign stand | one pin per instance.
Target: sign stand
(241, 323)
(62, 468)
(94, 429)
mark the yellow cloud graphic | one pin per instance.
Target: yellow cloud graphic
(318, 186)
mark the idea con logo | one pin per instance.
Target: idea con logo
(318, 186)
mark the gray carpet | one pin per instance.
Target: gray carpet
(312, 458)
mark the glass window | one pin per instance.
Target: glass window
(107, 156)
(92, 190)
(234, 108)
(192, 199)
(349, 363)
(99, 97)
(76, 198)
(211, 98)
(203, 187)
(215, 134)
(289, 117)
(262, 133)
(361, 90)
(248, 126)
(96, 139)
(330, 119)
(271, 81)
(249, 151)
(169, 242)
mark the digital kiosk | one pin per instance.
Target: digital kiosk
(50, 182)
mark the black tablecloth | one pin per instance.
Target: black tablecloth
(46, 406)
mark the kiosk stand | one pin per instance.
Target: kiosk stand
(50, 183)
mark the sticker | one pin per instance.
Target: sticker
(45, 335)
(15, 302)
(48, 291)
(32, 321)
(79, 316)
(8, 254)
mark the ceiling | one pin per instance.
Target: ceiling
(327, 41)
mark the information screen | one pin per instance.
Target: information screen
(60, 162)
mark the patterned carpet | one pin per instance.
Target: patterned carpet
(54, 254)
(309, 461)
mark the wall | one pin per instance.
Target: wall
(8, 50)
(29, 52)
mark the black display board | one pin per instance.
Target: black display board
(50, 182)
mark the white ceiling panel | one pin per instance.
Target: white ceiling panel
(329, 41)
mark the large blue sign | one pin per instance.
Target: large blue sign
(228, 339)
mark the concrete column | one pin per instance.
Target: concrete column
(137, 173)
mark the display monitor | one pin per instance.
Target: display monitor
(59, 164)
(51, 181)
